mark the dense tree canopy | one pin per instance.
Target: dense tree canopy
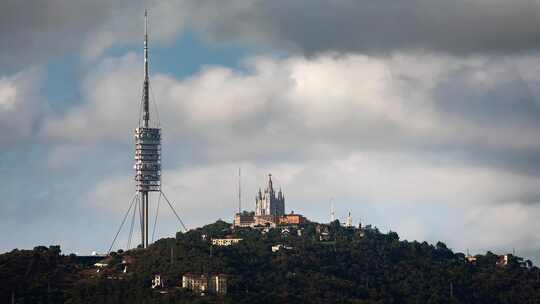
(323, 264)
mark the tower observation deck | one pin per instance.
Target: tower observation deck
(148, 159)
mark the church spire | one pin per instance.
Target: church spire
(270, 185)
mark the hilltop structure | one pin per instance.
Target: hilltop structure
(226, 241)
(267, 203)
(269, 210)
(205, 283)
(349, 221)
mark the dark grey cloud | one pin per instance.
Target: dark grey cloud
(314, 26)
(495, 92)
(33, 31)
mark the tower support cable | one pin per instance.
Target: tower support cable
(123, 221)
(156, 217)
(131, 226)
(174, 211)
(141, 216)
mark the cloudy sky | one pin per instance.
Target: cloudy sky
(417, 116)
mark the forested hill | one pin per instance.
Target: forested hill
(323, 264)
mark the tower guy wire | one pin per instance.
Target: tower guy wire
(122, 224)
(174, 211)
(132, 224)
(156, 217)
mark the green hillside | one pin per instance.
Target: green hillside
(327, 264)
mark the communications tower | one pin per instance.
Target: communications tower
(147, 161)
(147, 149)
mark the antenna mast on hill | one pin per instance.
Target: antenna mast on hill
(332, 213)
(239, 190)
(147, 158)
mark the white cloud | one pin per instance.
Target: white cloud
(338, 102)
(112, 94)
(20, 106)
(113, 194)
(8, 95)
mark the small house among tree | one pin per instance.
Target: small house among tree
(203, 284)
(157, 282)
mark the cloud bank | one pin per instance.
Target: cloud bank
(481, 110)
(36, 32)
(460, 27)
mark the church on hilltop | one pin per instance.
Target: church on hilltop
(267, 203)
(269, 210)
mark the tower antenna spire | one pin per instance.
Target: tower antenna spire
(146, 107)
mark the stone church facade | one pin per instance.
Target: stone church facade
(269, 210)
(269, 202)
